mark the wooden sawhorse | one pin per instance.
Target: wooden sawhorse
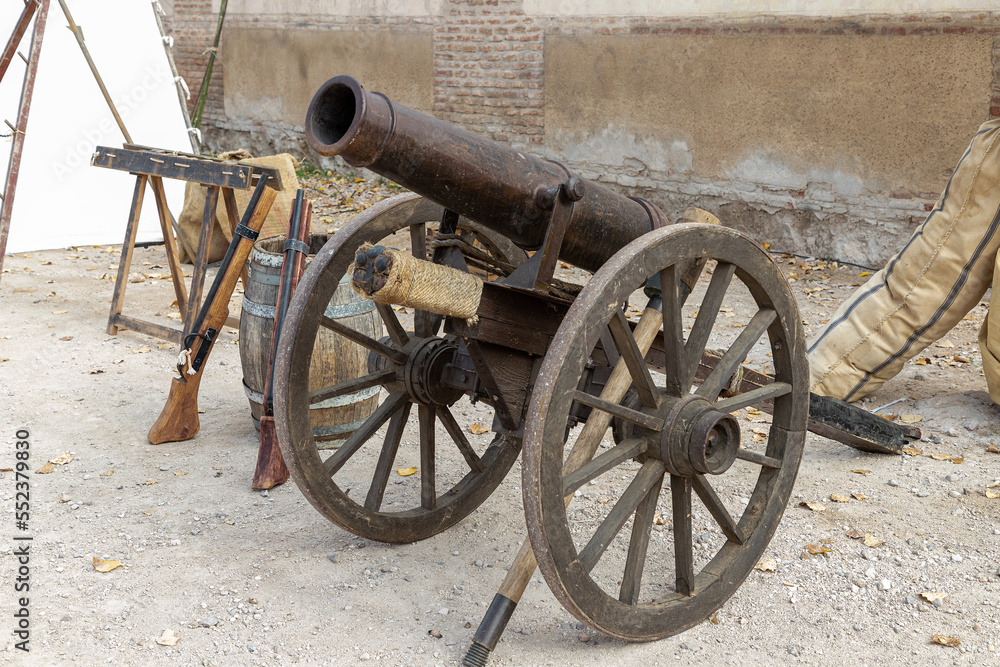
(151, 165)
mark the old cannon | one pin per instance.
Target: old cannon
(609, 392)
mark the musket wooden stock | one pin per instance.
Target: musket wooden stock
(179, 418)
(271, 469)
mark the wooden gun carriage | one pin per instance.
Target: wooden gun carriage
(680, 492)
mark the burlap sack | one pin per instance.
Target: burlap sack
(926, 288)
(189, 222)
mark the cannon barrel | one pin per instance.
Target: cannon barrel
(471, 175)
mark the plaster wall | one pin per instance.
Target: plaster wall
(271, 75)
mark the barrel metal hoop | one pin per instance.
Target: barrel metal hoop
(336, 402)
(264, 278)
(338, 311)
(258, 309)
(326, 431)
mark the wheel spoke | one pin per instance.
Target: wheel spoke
(458, 436)
(703, 324)
(628, 449)
(759, 459)
(620, 411)
(753, 397)
(633, 358)
(680, 492)
(635, 561)
(364, 432)
(650, 475)
(717, 509)
(396, 332)
(673, 335)
(734, 356)
(375, 346)
(351, 386)
(385, 460)
(428, 495)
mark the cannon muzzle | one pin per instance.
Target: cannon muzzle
(498, 186)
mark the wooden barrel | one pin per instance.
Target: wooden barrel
(335, 359)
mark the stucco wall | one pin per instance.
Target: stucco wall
(828, 124)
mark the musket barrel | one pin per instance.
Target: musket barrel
(471, 175)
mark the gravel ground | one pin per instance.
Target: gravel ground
(240, 577)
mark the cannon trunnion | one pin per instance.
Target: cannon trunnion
(612, 393)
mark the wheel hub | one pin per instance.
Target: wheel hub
(421, 374)
(696, 438)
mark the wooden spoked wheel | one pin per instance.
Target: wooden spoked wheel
(358, 486)
(667, 523)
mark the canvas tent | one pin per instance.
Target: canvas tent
(60, 200)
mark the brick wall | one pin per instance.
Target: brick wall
(488, 69)
(192, 26)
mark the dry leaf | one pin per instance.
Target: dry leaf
(961, 360)
(478, 429)
(863, 274)
(861, 472)
(141, 350)
(106, 565)
(108, 473)
(164, 346)
(150, 482)
(659, 520)
(714, 618)
(766, 564)
(859, 496)
(993, 449)
(815, 549)
(837, 498)
(854, 534)
(168, 638)
(957, 459)
(98, 371)
(62, 459)
(815, 507)
(910, 451)
(946, 641)
(180, 472)
(922, 361)
(59, 312)
(871, 541)
(406, 472)
(931, 596)
(910, 419)
(46, 469)
(149, 512)
(66, 338)
(940, 457)
(230, 523)
(992, 494)
(945, 343)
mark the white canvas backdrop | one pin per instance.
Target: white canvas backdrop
(60, 200)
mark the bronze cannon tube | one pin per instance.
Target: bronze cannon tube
(469, 174)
